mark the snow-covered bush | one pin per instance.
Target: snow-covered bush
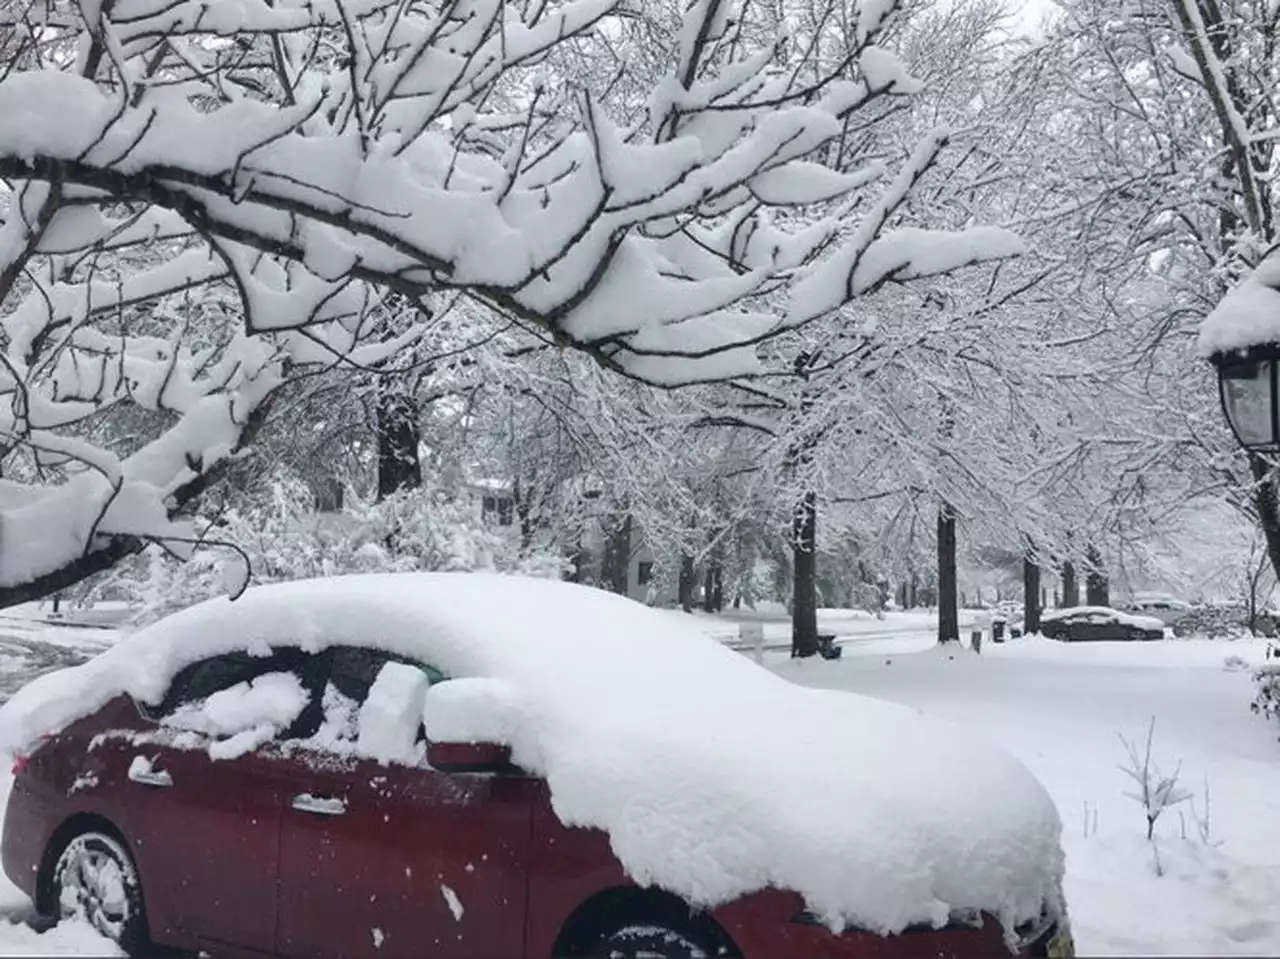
(285, 538)
(1156, 791)
(1266, 702)
(1214, 622)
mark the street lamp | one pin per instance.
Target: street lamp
(1247, 384)
(1241, 338)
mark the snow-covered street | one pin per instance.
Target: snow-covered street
(1060, 709)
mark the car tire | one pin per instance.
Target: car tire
(94, 878)
(644, 940)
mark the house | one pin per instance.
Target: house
(496, 506)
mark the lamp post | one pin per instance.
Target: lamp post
(1241, 338)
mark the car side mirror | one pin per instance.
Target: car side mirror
(471, 724)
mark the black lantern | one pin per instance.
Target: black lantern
(1249, 386)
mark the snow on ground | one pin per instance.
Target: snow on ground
(1061, 708)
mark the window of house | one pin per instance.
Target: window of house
(645, 573)
(498, 509)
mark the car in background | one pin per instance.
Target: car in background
(1080, 624)
(1168, 609)
(383, 766)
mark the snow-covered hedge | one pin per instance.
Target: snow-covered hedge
(285, 539)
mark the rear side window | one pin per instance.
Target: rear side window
(203, 679)
(208, 677)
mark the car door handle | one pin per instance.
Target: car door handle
(319, 805)
(150, 777)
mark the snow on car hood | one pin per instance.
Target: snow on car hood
(712, 776)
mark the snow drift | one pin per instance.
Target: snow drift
(712, 776)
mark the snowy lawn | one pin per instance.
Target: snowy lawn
(1059, 708)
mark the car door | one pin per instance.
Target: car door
(205, 831)
(397, 859)
(1106, 628)
(1081, 628)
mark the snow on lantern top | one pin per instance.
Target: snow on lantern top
(1248, 317)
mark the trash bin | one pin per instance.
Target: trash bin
(997, 630)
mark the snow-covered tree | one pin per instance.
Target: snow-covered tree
(209, 200)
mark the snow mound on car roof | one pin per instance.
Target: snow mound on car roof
(713, 777)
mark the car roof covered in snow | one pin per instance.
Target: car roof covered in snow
(1116, 615)
(712, 776)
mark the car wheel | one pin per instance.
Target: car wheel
(651, 941)
(94, 879)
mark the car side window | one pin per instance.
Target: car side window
(209, 683)
(352, 673)
(353, 669)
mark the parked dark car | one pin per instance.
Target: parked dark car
(296, 844)
(1099, 623)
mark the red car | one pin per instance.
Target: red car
(144, 818)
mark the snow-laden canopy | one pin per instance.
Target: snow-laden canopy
(1249, 315)
(713, 777)
(332, 169)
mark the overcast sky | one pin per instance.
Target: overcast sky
(1033, 10)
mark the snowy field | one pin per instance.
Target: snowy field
(1060, 709)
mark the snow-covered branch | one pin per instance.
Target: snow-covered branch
(208, 199)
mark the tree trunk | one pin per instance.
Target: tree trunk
(713, 587)
(804, 597)
(398, 439)
(578, 563)
(687, 579)
(617, 557)
(524, 510)
(1031, 595)
(1097, 588)
(948, 608)
(1070, 585)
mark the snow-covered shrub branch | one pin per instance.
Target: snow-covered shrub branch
(1156, 791)
(285, 538)
(1266, 700)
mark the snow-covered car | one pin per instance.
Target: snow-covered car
(1098, 623)
(1168, 609)
(467, 765)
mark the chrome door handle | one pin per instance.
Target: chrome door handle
(319, 805)
(150, 777)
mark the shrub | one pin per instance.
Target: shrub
(284, 538)
(1266, 701)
